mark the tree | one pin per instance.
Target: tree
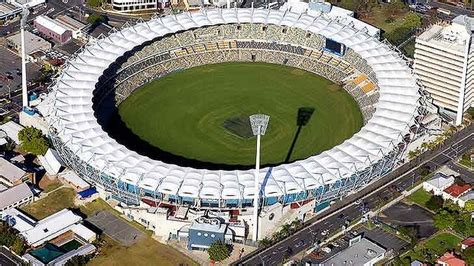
(444, 219)
(469, 206)
(218, 251)
(94, 3)
(32, 141)
(265, 242)
(435, 203)
(96, 19)
(18, 246)
(78, 260)
(468, 255)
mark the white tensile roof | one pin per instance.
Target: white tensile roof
(77, 127)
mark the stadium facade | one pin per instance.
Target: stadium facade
(373, 72)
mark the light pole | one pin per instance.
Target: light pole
(24, 89)
(259, 123)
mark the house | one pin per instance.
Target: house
(15, 196)
(10, 174)
(467, 243)
(455, 191)
(204, 231)
(438, 183)
(361, 251)
(449, 259)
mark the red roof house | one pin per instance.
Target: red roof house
(456, 190)
(468, 242)
(449, 259)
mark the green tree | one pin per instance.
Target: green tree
(18, 246)
(392, 8)
(444, 219)
(94, 3)
(78, 260)
(264, 242)
(218, 251)
(96, 19)
(412, 20)
(32, 141)
(469, 206)
(468, 255)
(435, 203)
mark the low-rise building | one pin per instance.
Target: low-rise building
(71, 178)
(8, 11)
(449, 259)
(52, 29)
(455, 191)
(39, 232)
(10, 174)
(204, 231)
(14, 197)
(438, 183)
(12, 129)
(361, 251)
(469, 196)
(33, 43)
(71, 24)
(467, 243)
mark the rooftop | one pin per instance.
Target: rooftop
(10, 171)
(468, 241)
(208, 225)
(33, 42)
(70, 23)
(468, 196)
(14, 194)
(358, 253)
(50, 226)
(449, 36)
(51, 24)
(457, 190)
(440, 180)
(451, 260)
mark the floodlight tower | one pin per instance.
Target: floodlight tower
(259, 123)
(24, 89)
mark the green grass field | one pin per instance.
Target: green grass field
(183, 113)
(420, 197)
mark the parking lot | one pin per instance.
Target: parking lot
(10, 71)
(116, 228)
(410, 216)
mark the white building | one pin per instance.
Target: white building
(438, 183)
(361, 251)
(14, 197)
(444, 64)
(135, 5)
(38, 232)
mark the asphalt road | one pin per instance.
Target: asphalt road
(383, 190)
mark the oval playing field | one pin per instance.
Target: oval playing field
(202, 113)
